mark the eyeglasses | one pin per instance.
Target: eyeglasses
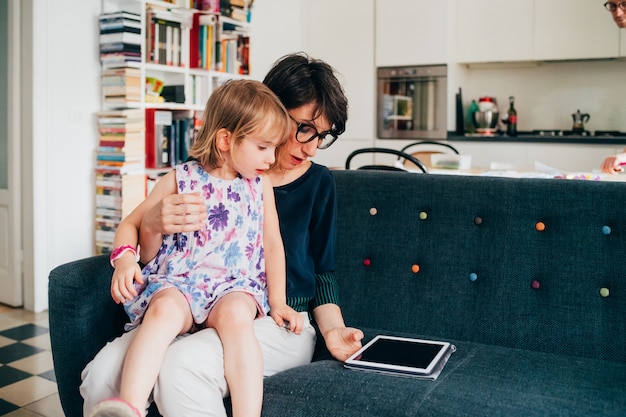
(306, 133)
(611, 7)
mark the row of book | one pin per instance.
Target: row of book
(218, 46)
(169, 136)
(120, 178)
(163, 36)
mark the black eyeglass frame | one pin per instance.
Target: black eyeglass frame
(320, 136)
(612, 7)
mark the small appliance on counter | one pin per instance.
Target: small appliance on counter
(485, 119)
(579, 120)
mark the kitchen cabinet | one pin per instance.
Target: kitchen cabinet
(522, 156)
(542, 30)
(411, 32)
(586, 31)
(494, 30)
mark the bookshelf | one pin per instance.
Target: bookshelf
(160, 62)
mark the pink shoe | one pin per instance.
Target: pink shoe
(114, 407)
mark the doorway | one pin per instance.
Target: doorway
(10, 156)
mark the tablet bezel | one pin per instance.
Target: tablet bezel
(355, 362)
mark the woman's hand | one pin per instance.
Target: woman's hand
(175, 214)
(288, 318)
(127, 272)
(613, 164)
(342, 342)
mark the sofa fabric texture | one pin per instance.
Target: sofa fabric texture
(524, 276)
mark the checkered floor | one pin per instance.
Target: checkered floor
(27, 383)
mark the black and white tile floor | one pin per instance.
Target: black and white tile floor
(27, 383)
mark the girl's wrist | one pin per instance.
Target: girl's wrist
(118, 252)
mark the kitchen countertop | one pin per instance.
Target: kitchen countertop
(527, 137)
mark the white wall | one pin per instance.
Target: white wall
(276, 31)
(62, 83)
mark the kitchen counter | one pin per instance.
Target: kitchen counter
(527, 137)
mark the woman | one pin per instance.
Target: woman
(305, 201)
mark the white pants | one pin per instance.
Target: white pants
(191, 382)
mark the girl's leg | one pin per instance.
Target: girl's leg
(232, 317)
(167, 316)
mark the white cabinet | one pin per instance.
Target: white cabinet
(566, 157)
(494, 30)
(511, 30)
(411, 32)
(585, 31)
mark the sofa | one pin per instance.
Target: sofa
(525, 276)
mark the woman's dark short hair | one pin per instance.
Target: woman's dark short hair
(297, 79)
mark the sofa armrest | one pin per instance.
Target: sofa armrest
(83, 318)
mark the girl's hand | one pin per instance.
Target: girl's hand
(127, 272)
(288, 318)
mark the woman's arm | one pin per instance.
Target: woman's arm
(341, 341)
(176, 213)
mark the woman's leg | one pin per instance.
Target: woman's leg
(167, 316)
(101, 377)
(191, 388)
(232, 317)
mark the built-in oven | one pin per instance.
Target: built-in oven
(412, 102)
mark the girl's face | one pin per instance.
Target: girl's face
(253, 155)
(293, 154)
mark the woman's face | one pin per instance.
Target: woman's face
(293, 153)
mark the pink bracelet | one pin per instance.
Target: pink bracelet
(120, 250)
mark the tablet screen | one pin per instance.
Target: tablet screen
(400, 354)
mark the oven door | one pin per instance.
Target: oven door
(412, 102)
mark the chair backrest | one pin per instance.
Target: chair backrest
(401, 155)
(430, 147)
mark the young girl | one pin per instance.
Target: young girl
(222, 276)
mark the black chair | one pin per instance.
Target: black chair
(401, 155)
(425, 155)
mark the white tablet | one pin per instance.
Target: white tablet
(401, 355)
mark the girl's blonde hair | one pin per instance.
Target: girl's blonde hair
(242, 107)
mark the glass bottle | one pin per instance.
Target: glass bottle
(511, 127)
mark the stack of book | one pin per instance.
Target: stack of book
(121, 85)
(236, 9)
(120, 176)
(120, 38)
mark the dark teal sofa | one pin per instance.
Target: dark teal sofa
(527, 277)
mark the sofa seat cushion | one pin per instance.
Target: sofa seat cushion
(477, 380)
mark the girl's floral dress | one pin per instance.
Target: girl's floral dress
(225, 256)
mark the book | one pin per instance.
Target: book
(122, 14)
(120, 37)
(121, 72)
(157, 140)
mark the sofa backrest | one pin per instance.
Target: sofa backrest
(534, 264)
